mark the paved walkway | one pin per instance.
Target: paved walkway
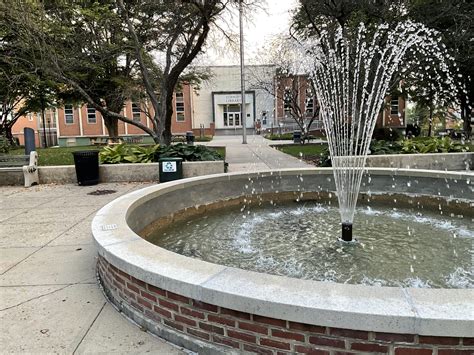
(256, 154)
(49, 298)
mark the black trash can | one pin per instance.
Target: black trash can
(171, 169)
(190, 137)
(296, 136)
(87, 167)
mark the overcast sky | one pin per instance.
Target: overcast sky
(259, 29)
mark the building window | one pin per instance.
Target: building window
(287, 97)
(69, 114)
(30, 117)
(179, 107)
(136, 112)
(309, 101)
(394, 110)
(91, 115)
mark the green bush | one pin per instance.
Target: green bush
(203, 138)
(5, 145)
(378, 147)
(386, 134)
(277, 137)
(418, 145)
(124, 153)
(187, 152)
(432, 145)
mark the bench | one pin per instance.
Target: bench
(134, 140)
(26, 163)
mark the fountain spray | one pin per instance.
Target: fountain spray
(351, 74)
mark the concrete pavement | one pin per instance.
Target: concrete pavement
(49, 298)
(256, 154)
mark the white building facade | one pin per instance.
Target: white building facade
(219, 99)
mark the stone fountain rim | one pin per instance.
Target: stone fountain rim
(435, 312)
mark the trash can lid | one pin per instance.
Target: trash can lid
(170, 159)
(85, 152)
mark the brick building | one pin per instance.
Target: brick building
(214, 108)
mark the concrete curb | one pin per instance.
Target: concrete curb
(66, 174)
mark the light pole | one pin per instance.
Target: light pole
(242, 75)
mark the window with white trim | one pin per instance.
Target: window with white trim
(179, 107)
(287, 97)
(136, 112)
(91, 115)
(68, 114)
(309, 101)
(394, 108)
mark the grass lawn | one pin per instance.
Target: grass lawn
(63, 155)
(311, 153)
(57, 155)
(302, 151)
(219, 150)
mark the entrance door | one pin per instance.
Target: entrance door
(232, 118)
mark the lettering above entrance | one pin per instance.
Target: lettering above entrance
(226, 99)
(233, 99)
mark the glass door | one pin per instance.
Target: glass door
(232, 116)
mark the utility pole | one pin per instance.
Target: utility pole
(242, 75)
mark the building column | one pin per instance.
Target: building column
(81, 128)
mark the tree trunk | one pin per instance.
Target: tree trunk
(45, 143)
(111, 124)
(466, 117)
(9, 134)
(167, 113)
(430, 123)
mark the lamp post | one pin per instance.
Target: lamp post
(242, 75)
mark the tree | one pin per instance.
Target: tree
(454, 19)
(288, 83)
(24, 89)
(181, 33)
(101, 51)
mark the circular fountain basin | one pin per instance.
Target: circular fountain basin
(206, 306)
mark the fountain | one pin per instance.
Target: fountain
(213, 307)
(351, 76)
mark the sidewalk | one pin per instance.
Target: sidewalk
(256, 154)
(50, 301)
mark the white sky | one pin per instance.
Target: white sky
(263, 24)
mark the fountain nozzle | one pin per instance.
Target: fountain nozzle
(346, 231)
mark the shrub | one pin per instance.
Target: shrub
(276, 137)
(203, 138)
(432, 145)
(5, 145)
(187, 152)
(386, 134)
(122, 153)
(414, 129)
(384, 147)
(114, 154)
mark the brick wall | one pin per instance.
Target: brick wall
(249, 332)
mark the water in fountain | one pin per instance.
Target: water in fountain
(351, 74)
